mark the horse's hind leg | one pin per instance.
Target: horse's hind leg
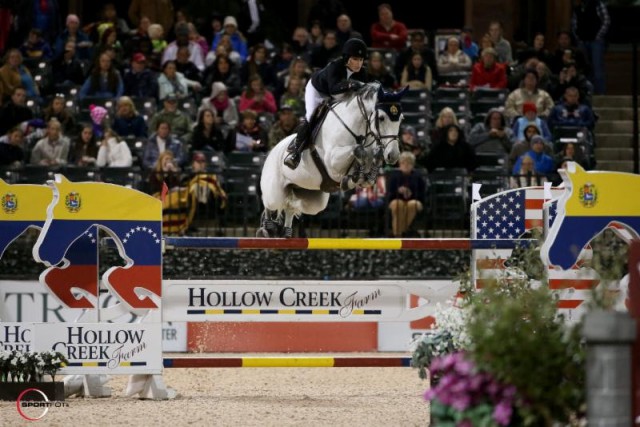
(268, 224)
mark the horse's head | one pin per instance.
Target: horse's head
(592, 202)
(387, 118)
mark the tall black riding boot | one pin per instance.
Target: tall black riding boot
(297, 145)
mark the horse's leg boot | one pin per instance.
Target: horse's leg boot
(297, 145)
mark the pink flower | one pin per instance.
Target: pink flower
(502, 413)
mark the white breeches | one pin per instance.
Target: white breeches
(312, 98)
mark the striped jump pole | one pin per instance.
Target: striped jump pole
(343, 244)
(287, 362)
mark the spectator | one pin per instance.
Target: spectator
(529, 116)
(521, 147)
(128, 122)
(182, 39)
(528, 92)
(159, 11)
(492, 135)
(301, 44)
(452, 151)
(418, 44)
(67, 70)
(113, 153)
(158, 44)
(165, 171)
(162, 140)
(328, 50)
(570, 112)
(590, 23)
(206, 134)
(527, 175)
(537, 50)
(377, 70)
(73, 33)
(84, 151)
(179, 121)
(36, 48)
(109, 43)
(573, 153)
(469, 47)
(13, 74)
(453, 59)
(487, 72)
(12, 148)
(344, 30)
(571, 77)
(249, 135)
(56, 109)
(445, 118)
(140, 42)
(566, 52)
(409, 142)
(45, 16)
(543, 163)
(259, 63)
(417, 75)
(257, 98)
(53, 149)
(406, 193)
(502, 45)
(109, 18)
(226, 111)
(225, 71)
(194, 36)
(15, 112)
(99, 116)
(173, 83)
(297, 68)
(185, 66)
(224, 48)
(238, 42)
(371, 198)
(285, 126)
(140, 81)
(388, 33)
(316, 33)
(104, 81)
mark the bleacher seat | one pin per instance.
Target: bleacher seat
(128, 177)
(81, 174)
(449, 201)
(243, 203)
(36, 174)
(245, 160)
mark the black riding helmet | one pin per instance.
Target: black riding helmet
(354, 47)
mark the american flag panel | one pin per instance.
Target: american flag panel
(510, 215)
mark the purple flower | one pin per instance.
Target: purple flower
(502, 413)
(460, 402)
(465, 423)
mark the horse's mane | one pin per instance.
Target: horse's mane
(367, 92)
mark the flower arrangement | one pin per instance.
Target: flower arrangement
(16, 366)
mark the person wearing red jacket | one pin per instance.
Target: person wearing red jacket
(388, 33)
(488, 72)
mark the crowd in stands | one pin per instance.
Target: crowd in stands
(149, 91)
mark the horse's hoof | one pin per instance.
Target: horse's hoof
(262, 232)
(288, 232)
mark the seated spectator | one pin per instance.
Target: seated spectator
(406, 192)
(182, 39)
(224, 106)
(113, 153)
(316, 33)
(416, 74)
(328, 50)
(570, 77)
(573, 153)
(84, 150)
(492, 135)
(179, 121)
(345, 31)
(158, 45)
(72, 33)
(446, 117)
(284, 126)
(543, 163)
(257, 98)
(104, 81)
(409, 142)
(36, 48)
(536, 50)
(12, 148)
(195, 37)
(453, 59)
(57, 109)
(451, 152)
(109, 19)
(109, 43)
(527, 176)
(258, 63)
(528, 92)
(501, 45)
(225, 71)
(468, 46)
(545, 78)
(15, 112)
(297, 68)
(529, 116)
(418, 43)
(140, 42)
(238, 42)
(388, 33)
(570, 112)
(487, 72)
(224, 48)
(249, 135)
(206, 134)
(185, 66)
(370, 198)
(161, 141)
(523, 146)
(293, 96)
(140, 81)
(67, 69)
(378, 71)
(301, 43)
(165, 171)
(53, 149)
(128, 122)
(566, 52)
(13, 74)
(172, 82)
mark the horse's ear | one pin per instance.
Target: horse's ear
(381, 92)
(403, 91)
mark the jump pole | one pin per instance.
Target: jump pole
(287, 362)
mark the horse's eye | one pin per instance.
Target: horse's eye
(381, 118)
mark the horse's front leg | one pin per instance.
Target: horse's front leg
(288, 224)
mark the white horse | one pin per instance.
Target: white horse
(358, 133)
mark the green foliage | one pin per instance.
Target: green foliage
(518, 337)
(431, 345)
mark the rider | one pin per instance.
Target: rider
(338, 76)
